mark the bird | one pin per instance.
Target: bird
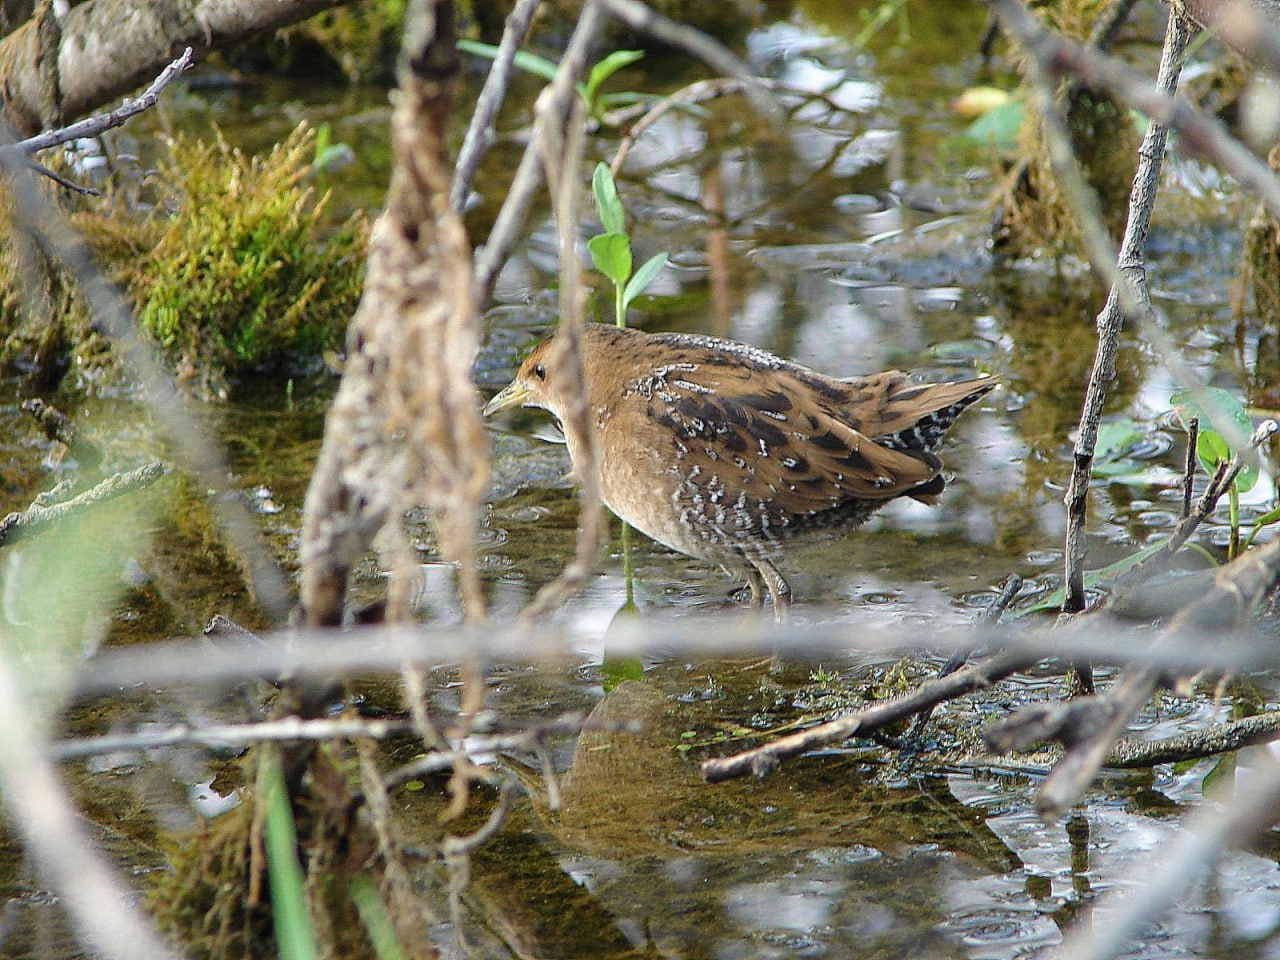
(727, 453)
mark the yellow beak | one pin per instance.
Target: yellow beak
(512, 395)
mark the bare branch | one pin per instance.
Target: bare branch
(40, 517)
(480, 132)
(221, 736)
(713, 53)
(324, 653)
(564, 154)
(764, 759)
(100, 123)
(1196, 744)
(490, 258)
(1153, 887)
(99, 57)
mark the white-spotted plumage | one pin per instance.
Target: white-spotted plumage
(725, 452)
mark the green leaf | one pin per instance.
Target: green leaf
(607, 203)
(377, 920)
(999, 127)
(606, 68)
(626, 98)
(1053, 599)
(648, 271)
(618, 670)
(1218, 411)
(529, 62)
(1268, 518)
(1115, 439)
(611, 253)
(294, 935)
(1218, 781)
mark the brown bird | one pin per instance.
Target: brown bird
(727, 453)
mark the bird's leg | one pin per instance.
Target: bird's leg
(779, 589)
(756, 582)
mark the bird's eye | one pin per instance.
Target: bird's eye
(540, 371)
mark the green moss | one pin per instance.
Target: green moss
(229, 265)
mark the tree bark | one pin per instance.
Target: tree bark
(55, 69)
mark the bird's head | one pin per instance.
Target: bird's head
(534, 385)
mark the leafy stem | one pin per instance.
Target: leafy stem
(611, 253)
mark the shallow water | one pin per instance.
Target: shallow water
(851, 240)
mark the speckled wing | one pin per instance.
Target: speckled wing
(792, 439)
(903, 414)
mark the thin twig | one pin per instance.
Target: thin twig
(100, 123)
(453, 847)
(490, 258)
(1089, 727)
(223, 736)
(697, 44)
(764, 759)
(1072, 774)
(38, 518)
(564, 155)
(104, 911)
(480, 131)
(527, 740)
(322, 653)
(62, 181)
(1125, 273)
(1189, 466)
(1153, 887)
(999, 604)
(1224, 475)
(694, 93)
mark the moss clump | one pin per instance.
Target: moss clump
(229, 266)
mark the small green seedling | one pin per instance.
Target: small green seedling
(611, 253)
(597, 103)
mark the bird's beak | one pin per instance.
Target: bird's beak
(512, 395)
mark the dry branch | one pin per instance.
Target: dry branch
(1153, 887)
(492, 256)
(480, 131)
(405, 426)
(1196, 744)
(100, 123)
(105, 913)
(764, 759)
(1125, 273)
(387, 647)
(562, 142)
(1090, 726)
(41, 516)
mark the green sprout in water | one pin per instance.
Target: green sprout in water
(611, 253)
